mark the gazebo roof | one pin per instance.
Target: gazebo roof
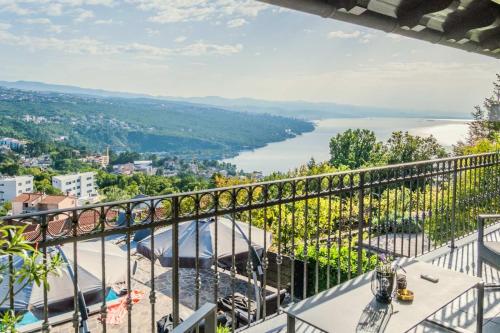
(471, 25)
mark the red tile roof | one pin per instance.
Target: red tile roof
(55, 199)
(27, 197)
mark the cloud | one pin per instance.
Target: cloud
(14, 8)
(54, 9)
(236, 23)
(55, 28)
(152, 32)
(180, 39)
(37, 21)
(90, 46)
(202, 48)
(344, 35)
(49, 7)
(104, 22)
(84, 15)
(5, 26)
(358, 35)
(198, 10)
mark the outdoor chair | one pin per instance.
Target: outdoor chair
(241, 306)
(487, 251)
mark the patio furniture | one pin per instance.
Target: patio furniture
(242, 303)
(207, 245)
(350, 307)
(60, 296)
(487, 252)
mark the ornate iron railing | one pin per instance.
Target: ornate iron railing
(326, 229)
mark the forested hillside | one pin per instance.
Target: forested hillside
(140, 124)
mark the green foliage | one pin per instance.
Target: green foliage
(223, 329)
(5, 207)
(404, 147)
(142, 125)
(486, 124)
(354, 148)
(333, 261)
(33, 270)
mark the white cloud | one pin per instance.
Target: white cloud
(55, 28)
(198, 10)
(152, 32)
(236, 23)
(343, 35)
(180, 39)
(90, 46)
(358, 35)
(49, 7)
(37, 21)
(104, 22)
(14, 8)
(202, 48)
(84, 15)
(5, 26)
(54, 9)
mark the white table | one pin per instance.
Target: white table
(351, 306)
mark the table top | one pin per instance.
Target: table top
(351, 306)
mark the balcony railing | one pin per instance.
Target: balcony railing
(325, 229)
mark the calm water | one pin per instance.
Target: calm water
(289, 154)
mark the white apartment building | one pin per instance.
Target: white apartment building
(11, 187)
(12, 143)
(81, 185)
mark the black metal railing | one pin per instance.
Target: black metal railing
(326, 229)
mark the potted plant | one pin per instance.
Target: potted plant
(383, 280)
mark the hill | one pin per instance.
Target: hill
(296, 109)
(139, 124)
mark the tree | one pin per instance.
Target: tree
(487, 119)
(354, 148)
(33, 270)
(404, 147)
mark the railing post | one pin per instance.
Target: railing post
(453, 204)
(175, 260)
(361, 208)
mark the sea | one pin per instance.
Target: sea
(292, 153)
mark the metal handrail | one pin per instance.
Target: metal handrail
(354, 213)
(258, 184)
(207, 312)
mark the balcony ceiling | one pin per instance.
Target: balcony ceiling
(470, 25)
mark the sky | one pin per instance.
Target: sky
(233, 48)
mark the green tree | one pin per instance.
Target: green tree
(355, 148)
(404, 147)
(33, 270)
(486, 122)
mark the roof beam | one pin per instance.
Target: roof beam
(470, 25)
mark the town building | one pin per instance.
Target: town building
(81, 185)
(12, 143)
(101, 160)
(124, 169)
(37, 202)
(11, 187)
(145, 167)
(42, 162)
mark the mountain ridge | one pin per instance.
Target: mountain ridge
(297, 109)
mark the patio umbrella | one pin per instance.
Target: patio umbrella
(60, 294)
(206, 254)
